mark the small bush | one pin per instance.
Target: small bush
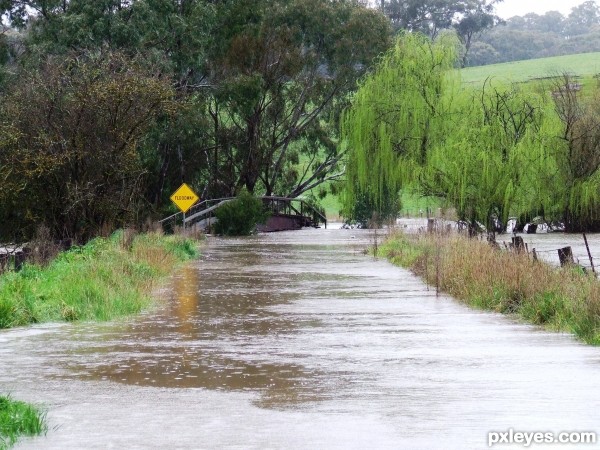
(239, 217)
(366, 213)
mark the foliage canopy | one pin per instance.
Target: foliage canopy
(490, 152)
(255, 89)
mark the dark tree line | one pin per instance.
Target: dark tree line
(486, 39)
(468, 18)
(127, 99)
(538, 36)
(106, 106)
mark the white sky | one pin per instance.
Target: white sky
(509, 8)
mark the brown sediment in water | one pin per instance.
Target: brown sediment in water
(299, 340)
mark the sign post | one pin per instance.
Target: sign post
(184, 198)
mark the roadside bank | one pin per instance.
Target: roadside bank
(487, 278)
(105, 279)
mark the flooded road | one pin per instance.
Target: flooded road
(298, 340)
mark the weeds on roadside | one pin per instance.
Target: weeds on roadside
(104, 279)
(561, 299)
(19, 419)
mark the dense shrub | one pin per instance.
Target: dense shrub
(239, 217)
(368, 214)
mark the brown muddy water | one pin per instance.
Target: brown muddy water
(298, 340)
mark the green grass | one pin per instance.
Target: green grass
(583, 64)
(487, 278)
(19, 419)
(105, 279)
(413, 204)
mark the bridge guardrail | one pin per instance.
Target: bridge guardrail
(278, 205)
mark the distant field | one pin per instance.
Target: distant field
(582, 64)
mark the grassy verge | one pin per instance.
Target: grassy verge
(105, 279)
(19, 419)
(483, 277)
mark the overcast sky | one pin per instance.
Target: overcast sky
(509, 8)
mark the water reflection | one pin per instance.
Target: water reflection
(185, 293)
(221, 329)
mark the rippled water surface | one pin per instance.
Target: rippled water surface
(299, 340)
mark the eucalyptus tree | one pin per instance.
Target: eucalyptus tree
(475, 19)
(582, 18)
(280, 72)
(430, 17)
(177, 30)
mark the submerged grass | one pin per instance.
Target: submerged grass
(19, 419)
(561, 299)
(102, 280)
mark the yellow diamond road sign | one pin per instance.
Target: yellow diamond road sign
(184, 197)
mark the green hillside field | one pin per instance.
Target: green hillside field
(583, 64)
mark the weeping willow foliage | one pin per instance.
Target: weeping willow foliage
(579, 163)
(539, 184)
(482, 166)
(561, 176)
(397, 113)
(489, 151)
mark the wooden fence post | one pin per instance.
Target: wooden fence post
(588, 252)
(518, 244)
(565, 255)
(4, 260)
(430, 225)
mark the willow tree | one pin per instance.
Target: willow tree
(486, 165)
(399, 111)
(576, 150)
(413, 124)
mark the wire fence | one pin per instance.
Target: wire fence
(544, 246)
(560, 248)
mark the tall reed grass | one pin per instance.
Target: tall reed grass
(104, 279)
(19, 419)
(561, 299)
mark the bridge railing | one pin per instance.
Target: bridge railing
(193, 214)
(295, 207)
(277, 205)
